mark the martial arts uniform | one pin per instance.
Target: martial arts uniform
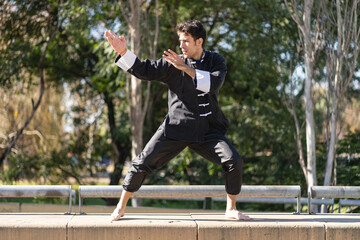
(194, 118)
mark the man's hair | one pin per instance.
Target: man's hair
(194, 28)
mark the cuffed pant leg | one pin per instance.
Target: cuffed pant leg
(157, 152)
(219, 150)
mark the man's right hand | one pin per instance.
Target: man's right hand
(117, 43)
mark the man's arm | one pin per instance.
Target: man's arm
(129, 62)
(179, 63)
(119, 45)
(207, 81)
(214, 78)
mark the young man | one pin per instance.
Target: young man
(194, 117)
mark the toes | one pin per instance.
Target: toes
(244, 217)
(115, 217)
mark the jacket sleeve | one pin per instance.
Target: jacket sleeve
(211, 81)
(146, 70)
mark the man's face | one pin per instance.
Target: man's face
(190, 48)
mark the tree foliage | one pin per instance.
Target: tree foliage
(259, 41)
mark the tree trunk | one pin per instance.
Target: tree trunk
(337, 56)
(309, 39)
(299, 147)
(136, 123)
(333, 132)
(136, 108)
(309, 112)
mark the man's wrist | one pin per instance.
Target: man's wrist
(190, 71)
(122, 52)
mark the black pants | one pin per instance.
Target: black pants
(160, 150)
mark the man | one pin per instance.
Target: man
(194, 117)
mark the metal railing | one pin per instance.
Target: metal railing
(332, 192)
(348, 202)
(193, 191)
(27, 191)
(249, 193)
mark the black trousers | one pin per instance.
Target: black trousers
(160, 150)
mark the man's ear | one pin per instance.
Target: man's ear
(199, 41)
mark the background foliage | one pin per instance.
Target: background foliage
(83, 118)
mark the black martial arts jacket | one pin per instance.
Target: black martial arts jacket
(193, 108)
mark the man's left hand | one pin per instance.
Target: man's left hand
(178, 62)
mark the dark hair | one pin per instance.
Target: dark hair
(194, 28)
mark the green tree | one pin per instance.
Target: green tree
(27, 31)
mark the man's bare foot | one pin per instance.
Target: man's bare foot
(117, 214)
(235, 214)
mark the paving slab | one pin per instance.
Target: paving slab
(133, 226)
(33, 226)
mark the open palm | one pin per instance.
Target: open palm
(117, 43)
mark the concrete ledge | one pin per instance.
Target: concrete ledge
(341, 226)
(173, 226)
(343, 231)
(34, 226)
(261, 227)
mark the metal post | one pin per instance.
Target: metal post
(80, 200)
(298, 204)
(73, 195)
(309, 200)
(70, 197)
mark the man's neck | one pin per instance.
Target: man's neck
(198, 55)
